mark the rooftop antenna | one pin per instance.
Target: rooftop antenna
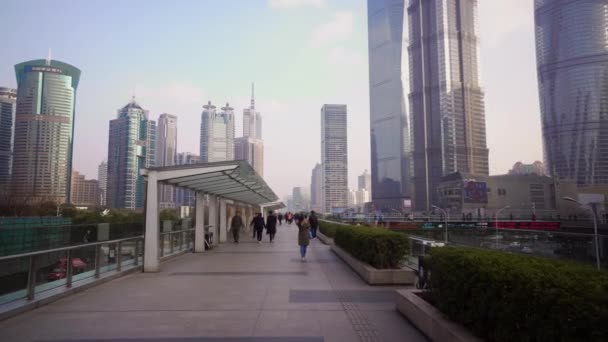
(133, 95)
(252, 95)
(48, 58)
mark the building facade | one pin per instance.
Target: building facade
(334, 156)
(44, 130)
(102, 178)
(388, 90)
(446, 100)
(217, 134)
(132, 147)
(251, 150)
(536, 168)
(301, 199)
(572, 61)
(365, 181)
(166, 155)
(252, 119)
(185, 197)
(8, 99)
(316, 188)
(85, 192)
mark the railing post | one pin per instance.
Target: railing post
(31, 278)
(162, 246)
(181, 240)
(136, 261)
(172, 238)
(68, 281)
(97, 260)
(119, 256)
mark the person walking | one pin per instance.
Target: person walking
(280, 217)
(303, 238)
(258, 226)
(314, 223)
(271, 225)
(235, 226)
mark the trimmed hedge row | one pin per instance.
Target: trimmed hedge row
(329, 228)
(510, 297)
(380, 248)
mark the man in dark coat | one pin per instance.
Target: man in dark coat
(314, 224)
(258, 226)
(271, 225)
(235, 226)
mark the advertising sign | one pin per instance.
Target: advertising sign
(475, 192)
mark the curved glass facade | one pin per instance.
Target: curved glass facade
(8, 97)
(388, 86)
(572, 58)
(44, 125)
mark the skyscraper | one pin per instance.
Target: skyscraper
(166, 154)
(572, 61)
(446, 101)
(252, 119)
(365, 181)
(316, 188)
(301, 199)
(185, 197)
(85, 192)
(217, 134)
(8, 98)
(334, 157)
(102, 178)
(131, 147)
(251, 150)
(388, 90)
(44, 130)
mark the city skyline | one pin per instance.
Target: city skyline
(338, 28)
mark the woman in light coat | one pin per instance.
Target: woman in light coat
(303, 234)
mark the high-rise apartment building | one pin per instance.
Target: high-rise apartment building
(8, 98)
(185, 197)
(166, 154)
(334, 150)
(44, 130)
(252, 120)
(217, 134)
(365, 181)
(102, 178)
(446, 101)
(388, 91)
(572, 61)
(84, 192)
(251, 150)
(316, 188)
(132, 147)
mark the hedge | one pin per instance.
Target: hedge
(329, 228)
(511, 297)
(378, 247)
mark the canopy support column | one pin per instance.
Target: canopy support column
(213, 218)
(199, 233)
(151, 262)
(223, 225)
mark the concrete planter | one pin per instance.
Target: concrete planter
(374, 276)
(325, 239)
(435, 325)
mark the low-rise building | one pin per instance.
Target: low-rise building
(84, 192)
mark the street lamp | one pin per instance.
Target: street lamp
(496, 224)
(593, 207)
(445, 214)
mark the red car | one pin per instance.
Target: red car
(60, 270)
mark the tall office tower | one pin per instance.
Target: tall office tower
(446, 101)
(365, 181)
(166, 153)
(8, 98)
(388, 89)
(132, 147)
(44, 130)
(572, 61)
(252, 120)
(334, 157)
(316, 188)
(102, 178)
(251, 150)
(217, 134)
(301, 199)
(85, 192)
(185, 197)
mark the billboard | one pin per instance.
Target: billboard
(474, 191)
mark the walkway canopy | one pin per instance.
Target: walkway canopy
(232, 181)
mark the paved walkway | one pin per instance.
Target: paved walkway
(244, 292)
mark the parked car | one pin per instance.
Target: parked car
(61, 269)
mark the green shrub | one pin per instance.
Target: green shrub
(329, 228)
(378, 247)
(510, 297)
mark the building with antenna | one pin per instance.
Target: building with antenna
(217, 134)
(250, 146)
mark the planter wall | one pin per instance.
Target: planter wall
(374, 276)
(325, 239)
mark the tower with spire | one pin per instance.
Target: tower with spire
(250, 147)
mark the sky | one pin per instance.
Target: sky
(174, 56)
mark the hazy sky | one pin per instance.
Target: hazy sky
(176, 55)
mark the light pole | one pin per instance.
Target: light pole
(445, 214)
(496, 224)
(593, 207)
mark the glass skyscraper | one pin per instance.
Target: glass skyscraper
(334, 157)
(572, 60)
(445, 100)
(131, 147)
(217, 134)
(388, 89)
(44, 130)
(8, 97)
(166, 154)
